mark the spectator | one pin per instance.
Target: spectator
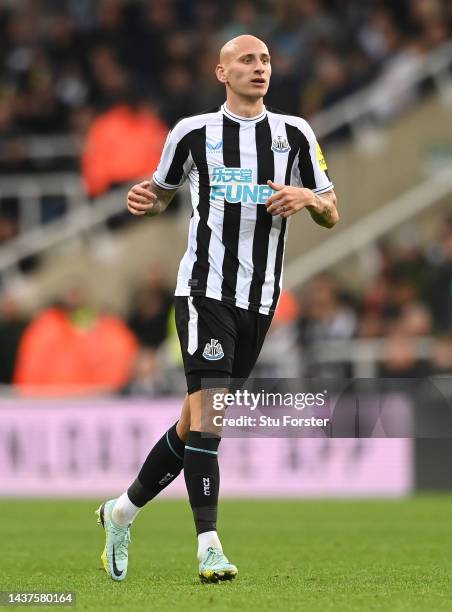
(150, 309)
(399, 360)
(279, 356)
(439, 294)
(12, 326)
(58, 58)
(8, 227)
(442, 356)
(178, 88)
(416, 320)
(325, 317)
(106, 160)
(148, 378)
(71, 348)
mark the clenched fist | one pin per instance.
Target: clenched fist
(140, 199)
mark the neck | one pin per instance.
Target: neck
(244, 107)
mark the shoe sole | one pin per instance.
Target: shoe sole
(212, 576)
(101, 522)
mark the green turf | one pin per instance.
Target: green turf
(291, 555)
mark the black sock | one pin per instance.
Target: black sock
(162, 466)
(202, 478)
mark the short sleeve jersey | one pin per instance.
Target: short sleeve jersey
(235, 247)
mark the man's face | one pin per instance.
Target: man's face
(247, 71)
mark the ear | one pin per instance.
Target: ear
(220, 73)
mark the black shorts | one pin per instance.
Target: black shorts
(218, 340)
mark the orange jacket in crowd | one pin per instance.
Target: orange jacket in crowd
(122, 144)
(66, 358)
(288, 309)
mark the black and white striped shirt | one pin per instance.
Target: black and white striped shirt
(235, 247)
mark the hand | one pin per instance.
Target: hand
(288, 200)
(140, 199)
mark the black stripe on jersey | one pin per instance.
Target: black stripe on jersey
(294, 141)
(232, 211)
(304, 161)
(305, 164)
(293, 136)
(174, 175)
(265, 172)
(176, 170)
(200, 269)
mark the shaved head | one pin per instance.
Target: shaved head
(238, 45)
(244, 68)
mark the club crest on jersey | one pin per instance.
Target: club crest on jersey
(214, 147)
(280, 145)
(213, 351)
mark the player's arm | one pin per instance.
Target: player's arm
(315, 190)
(324, 209)
(287, 200)
(152, 197)
(147, 198)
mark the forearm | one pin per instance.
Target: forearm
(164, 197)
(324, 209)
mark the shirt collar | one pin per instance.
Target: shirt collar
(244, 120)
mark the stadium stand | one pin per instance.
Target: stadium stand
(68, 65)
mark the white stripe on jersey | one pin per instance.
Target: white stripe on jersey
(189, 257)
(248, 159)
(319, 174)
(281, 160)
(214, 136)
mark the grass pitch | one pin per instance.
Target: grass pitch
(291, 555)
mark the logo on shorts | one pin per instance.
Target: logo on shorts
(280, 145)
(213, 350)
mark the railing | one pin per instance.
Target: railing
(332, 250)
(364, 356)
(30, 190)
(55, 146)
(362, 107)
(81, 215)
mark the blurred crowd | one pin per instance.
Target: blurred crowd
(408, 298)
(113, 75)
(64, 61)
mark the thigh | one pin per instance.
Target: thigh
(252, 332)
(207, 331)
